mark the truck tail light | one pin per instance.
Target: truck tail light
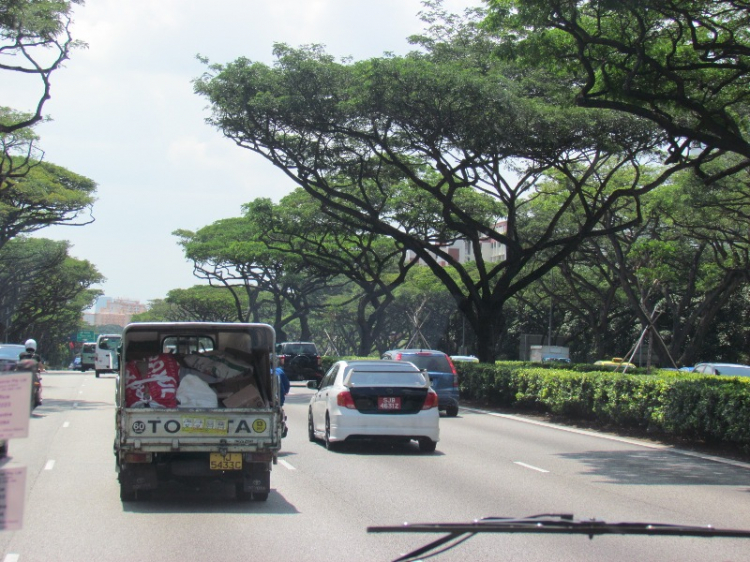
(138, 457)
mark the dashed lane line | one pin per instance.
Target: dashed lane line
(529, 466)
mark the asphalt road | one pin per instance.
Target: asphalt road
(322, 502)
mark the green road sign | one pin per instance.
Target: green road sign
(85, 336)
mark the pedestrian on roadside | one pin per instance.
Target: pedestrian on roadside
(284, 387)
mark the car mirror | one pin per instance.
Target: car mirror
(312, 384)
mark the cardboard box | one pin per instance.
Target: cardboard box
(248, 397)
(225, 389)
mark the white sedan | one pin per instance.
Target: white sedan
(389, 400)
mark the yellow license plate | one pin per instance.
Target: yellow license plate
(230, 461)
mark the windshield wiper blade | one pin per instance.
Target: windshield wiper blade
(545, 523)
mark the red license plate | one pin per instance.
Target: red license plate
(389, 402)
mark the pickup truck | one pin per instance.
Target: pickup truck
(196, 402)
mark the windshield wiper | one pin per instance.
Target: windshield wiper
(545, 523)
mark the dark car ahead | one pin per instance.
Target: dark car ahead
(440, 369)
(300, 360)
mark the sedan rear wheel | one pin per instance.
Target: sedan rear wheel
(310, 427)
(330, 445)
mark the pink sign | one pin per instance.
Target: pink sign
(15, 404)
(12, 492)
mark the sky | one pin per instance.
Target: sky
(124, 114)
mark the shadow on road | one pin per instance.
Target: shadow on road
(51, 406)
(381, 448)
(216, 497)
(659, 468)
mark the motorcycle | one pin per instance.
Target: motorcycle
(36, 380)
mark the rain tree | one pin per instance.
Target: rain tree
(44, 195)
(43, 291)
(448, 119)
(35, 41)
(203, 304)
(230, 253)
(374, 263)
(683, 64)
(677, 268)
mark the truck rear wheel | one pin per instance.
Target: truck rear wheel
(127, 494)
(242, 495)
(130, 495)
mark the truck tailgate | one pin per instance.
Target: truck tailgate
(195, 429)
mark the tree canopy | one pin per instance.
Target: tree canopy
(683, 64)
(43, 195)
(460, 137)
(35, 40)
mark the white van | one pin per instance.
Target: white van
(88, 356)
(106, 353)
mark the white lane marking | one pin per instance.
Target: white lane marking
(11, 557)
(50, 465)
(523, 464)
(285, 464)
(66, 424)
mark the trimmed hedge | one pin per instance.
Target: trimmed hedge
(701, 408)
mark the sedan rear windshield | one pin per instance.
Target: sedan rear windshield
(431, 363)
(386, 378)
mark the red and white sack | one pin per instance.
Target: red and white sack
(163, 378)
(136, 390)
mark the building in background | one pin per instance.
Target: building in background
(462, 251)
(113, 311)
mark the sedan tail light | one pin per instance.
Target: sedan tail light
(345, 400)
(431, 401)
(453, 370)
